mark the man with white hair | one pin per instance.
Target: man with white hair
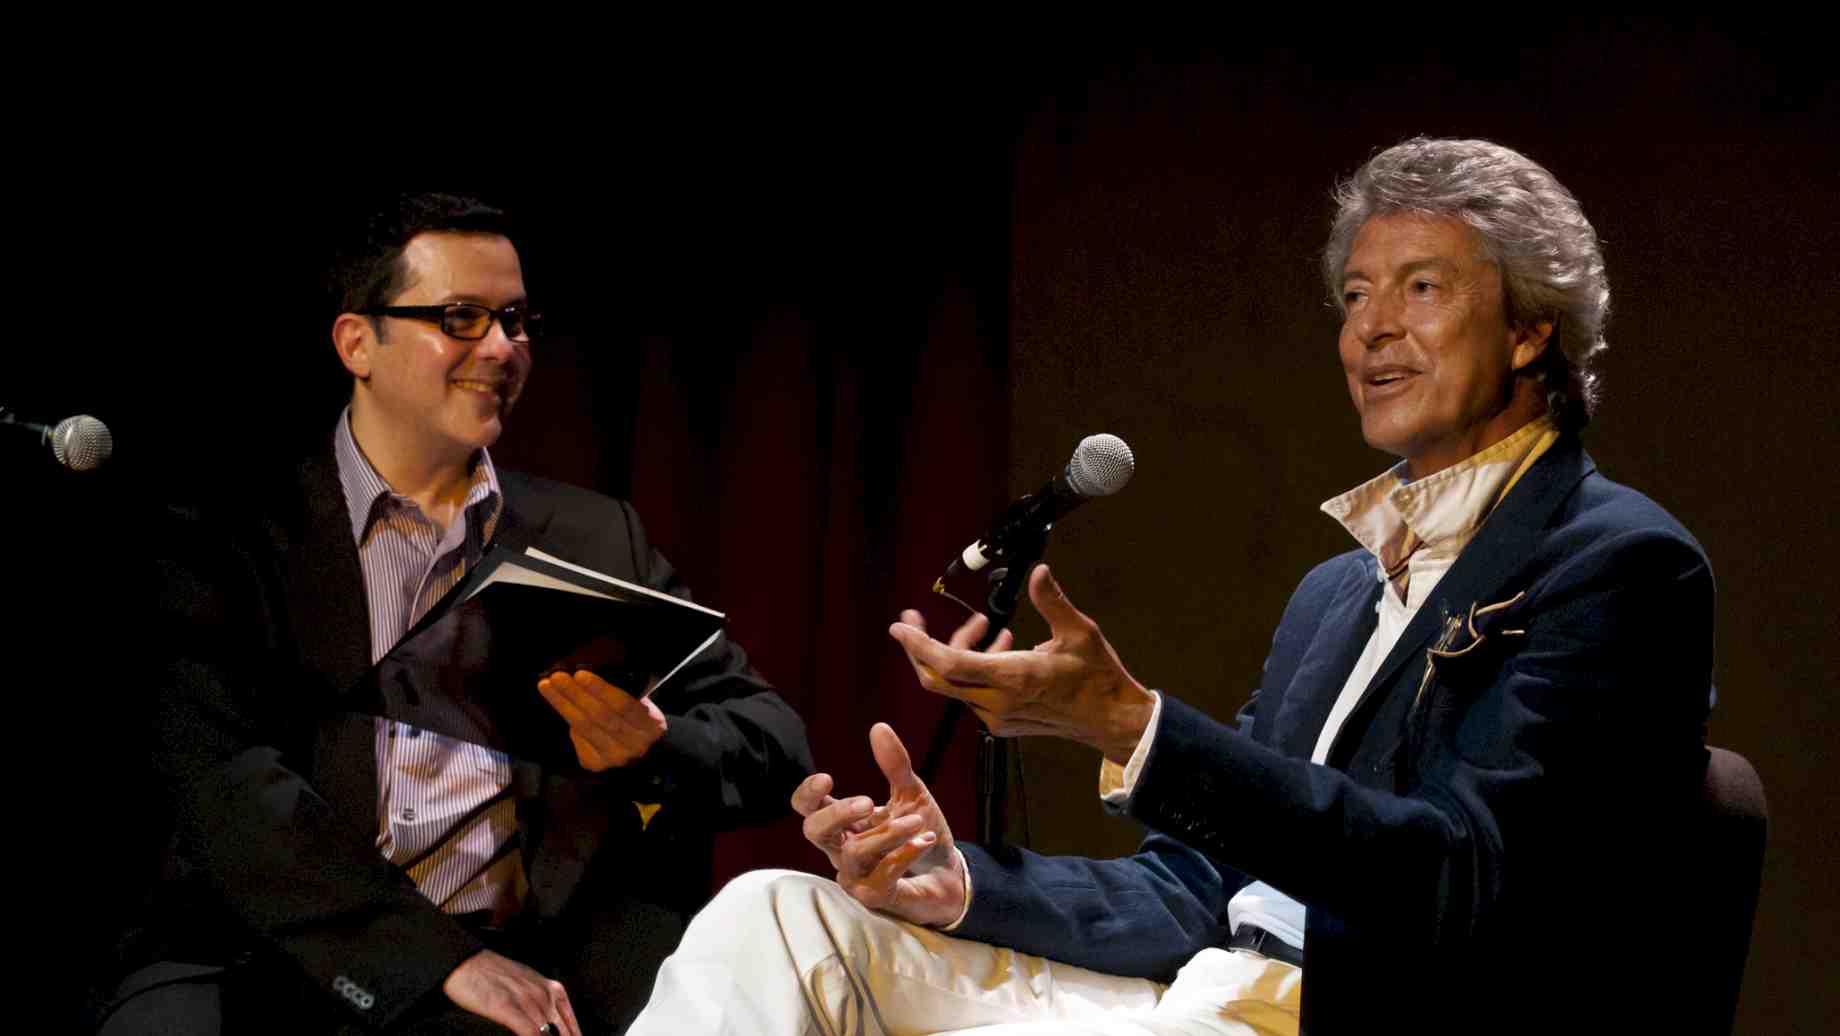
(1450, 801)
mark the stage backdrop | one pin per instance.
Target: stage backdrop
(820, 314)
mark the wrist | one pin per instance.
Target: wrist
(1126, 721)
(964, 905)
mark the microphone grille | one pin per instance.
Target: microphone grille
(1101, 465)
(81, 443)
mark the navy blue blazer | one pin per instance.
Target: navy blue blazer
(1469, 851)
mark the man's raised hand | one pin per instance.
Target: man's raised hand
(898, 857)
(1072, 685)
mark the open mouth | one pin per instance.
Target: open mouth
(1381, 379)
(490, 388)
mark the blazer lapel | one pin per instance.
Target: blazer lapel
(1347, 622)
(326, 601)
(1500, 548)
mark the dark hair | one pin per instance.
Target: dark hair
(368, 268)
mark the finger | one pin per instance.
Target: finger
(891, 756)
(596, 699)
(591, 688)
(577, 706)
(565, 1011)
(591, 683)
(530, 999)
(914, 619)
(1051, 601)
(909, 636)
(633, 723)
(936, 662)
(898, 862)
(636, 736)
(572, 710)
(1005, 640)
(862, 853)
(967, 635)
(592, 743)
(812, 794)
(595, 747)
(825, 828)
(637, 729)
(564, 706)
(654, 714)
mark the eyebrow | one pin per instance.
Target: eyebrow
(479, 300)
(1407, 269)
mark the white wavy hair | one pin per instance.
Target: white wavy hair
(1551, 261)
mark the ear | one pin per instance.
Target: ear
(353, 338)
(1529, 342)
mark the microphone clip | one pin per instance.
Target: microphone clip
(1006, 567)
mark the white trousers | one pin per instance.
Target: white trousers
(785, 953)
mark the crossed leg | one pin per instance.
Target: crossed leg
(786, 952)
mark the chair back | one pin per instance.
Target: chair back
(1736, 822)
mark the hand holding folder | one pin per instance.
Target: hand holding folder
(608, 727)
(470, 668)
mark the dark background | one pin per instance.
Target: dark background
(820, 312)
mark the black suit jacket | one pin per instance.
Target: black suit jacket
(272, 783)
(1491, 853)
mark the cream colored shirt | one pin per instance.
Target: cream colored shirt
(1423, 523)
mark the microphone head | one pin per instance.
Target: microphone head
(1101, 465)
(81, 443)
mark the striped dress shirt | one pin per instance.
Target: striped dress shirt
(444, 812)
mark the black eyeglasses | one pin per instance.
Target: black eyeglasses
(470, 321)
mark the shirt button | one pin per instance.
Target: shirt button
(408, 814)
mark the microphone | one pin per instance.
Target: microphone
(80, 443)
(1101, 465)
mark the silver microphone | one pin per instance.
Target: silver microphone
(1100, 466)
(80, 443)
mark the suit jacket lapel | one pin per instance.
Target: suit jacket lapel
(513, 534)
(325, 587)
(1500, 548)
(1347, 622)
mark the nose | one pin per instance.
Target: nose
(495, 345)
(1379, 320)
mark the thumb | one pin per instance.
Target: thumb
(891, 755)
(1051, 601)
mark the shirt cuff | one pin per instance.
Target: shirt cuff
(964, 866)
(1116, 782)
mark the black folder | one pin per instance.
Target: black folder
(470, 668)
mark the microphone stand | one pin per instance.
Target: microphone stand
(1007, 581)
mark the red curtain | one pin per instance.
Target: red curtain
(810, 470)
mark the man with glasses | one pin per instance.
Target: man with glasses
(333, 870)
